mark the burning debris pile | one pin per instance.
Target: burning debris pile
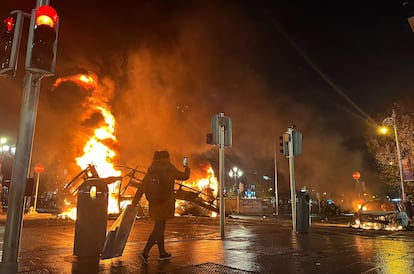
(100, 152)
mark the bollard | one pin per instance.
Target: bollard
(91, 218)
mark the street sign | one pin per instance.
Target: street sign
(356, 175)
(39, 168)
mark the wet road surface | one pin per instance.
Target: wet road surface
(251, 245)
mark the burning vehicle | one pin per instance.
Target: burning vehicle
(383, 215)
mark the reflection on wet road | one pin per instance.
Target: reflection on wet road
(252, 246)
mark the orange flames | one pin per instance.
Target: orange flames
(96, 150)
(356, 205)
(86, 81)
(101, 156)
(99, 147)
(210, 182)
(207, 185)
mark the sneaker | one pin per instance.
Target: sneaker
(164, 256)
(144, 258)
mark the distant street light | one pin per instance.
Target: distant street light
(235, 173)
(3, 143)
(390, 121)
(5, 148)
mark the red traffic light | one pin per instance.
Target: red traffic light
(9, 23)
(42, 44)
(10, 35)
(46, 15)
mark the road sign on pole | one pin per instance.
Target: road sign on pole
(39, 168)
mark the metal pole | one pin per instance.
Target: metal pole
(36, 192)
(42, 3)
(276, 192)
(221, 179)
(292, 178)
(20, 172)
(397, 143)
(237, 193)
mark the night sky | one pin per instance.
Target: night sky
(165, 67)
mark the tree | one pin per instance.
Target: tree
(383, 147)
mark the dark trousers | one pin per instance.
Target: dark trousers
(156, 237)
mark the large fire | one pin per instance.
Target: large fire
(210, 182)
(207, 186)
(96, 151)
(99, 151)
(101, 156)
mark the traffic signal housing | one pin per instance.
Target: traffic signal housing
(42, 42)
(10, 43)
(284, 144)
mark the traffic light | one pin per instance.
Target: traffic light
(218, 121)
(297, 143)
(42, 43)
(284, 141)
(210, 139)
(10, 43)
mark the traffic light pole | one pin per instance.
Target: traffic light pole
(221, 135)
(276, 187)
(221, 179)
(292, 177)
(21, 164)
(20, 173)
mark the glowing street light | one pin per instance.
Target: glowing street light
(3, 140)
(235, 173)
(390, 121)
(4, 147)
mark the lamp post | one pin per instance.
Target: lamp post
(276, 202)
(235, 173)
(390, 121)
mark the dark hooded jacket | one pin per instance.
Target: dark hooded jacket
(168, 174)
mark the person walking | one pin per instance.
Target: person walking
(158, 186)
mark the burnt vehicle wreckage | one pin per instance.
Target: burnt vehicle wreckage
(384, 215)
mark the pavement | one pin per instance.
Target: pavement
(252, 244)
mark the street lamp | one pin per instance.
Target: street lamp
(3, 143)
(390, 121)
(235, 173)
